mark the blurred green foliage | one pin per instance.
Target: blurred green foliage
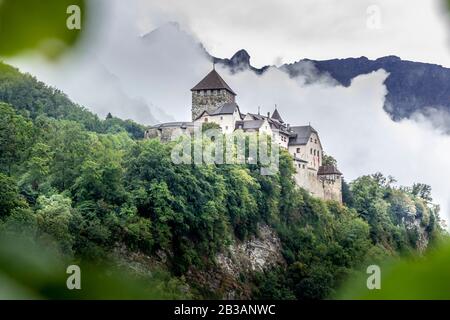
(34, 271)
(414, 278)
(37, 25)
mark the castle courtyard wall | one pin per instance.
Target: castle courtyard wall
(320, 188)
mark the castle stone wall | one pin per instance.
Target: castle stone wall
(209, 100)
(152, 133)
(333, 190)
(166, 134)
(326, 189)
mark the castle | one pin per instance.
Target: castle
(213, 101)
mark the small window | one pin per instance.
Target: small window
(221, 118)
(226, 127)
(311, 139)
(298, 150)
(206, 119)
(310, 151)
(315, 140)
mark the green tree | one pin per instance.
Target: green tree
(15, 137)
(37, 167)
(70, 144)
(328, 160)
(9, 196)
(53, 216)
(423, 191)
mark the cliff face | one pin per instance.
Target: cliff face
(238, 263)
(254, 255)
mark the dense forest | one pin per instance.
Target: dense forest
(94, 190)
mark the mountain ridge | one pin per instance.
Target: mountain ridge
(412, 86)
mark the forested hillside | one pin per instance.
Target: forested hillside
(32, 98)
(95, 191)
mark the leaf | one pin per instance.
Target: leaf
(39, 25)
(417, 278)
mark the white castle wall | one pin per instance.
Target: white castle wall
(319, 187)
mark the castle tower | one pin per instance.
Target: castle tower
(276, 115)
(210, 93)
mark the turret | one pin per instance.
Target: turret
(210, 93)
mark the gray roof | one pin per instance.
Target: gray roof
(213, 81)
(300, 159)
(300, 135)
(326, 170)
(274, 123)
(276, 115)
(173, 125)
(257, 116)
(249, 124)
(227, 108)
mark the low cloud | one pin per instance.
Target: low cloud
(354, 127)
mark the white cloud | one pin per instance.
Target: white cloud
(316, 29)
(354, 127)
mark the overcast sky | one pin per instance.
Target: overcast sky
(286, 30)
